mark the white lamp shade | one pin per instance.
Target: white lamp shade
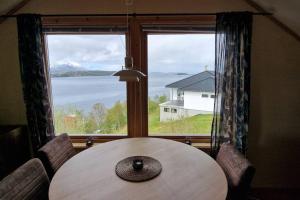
(130, 75)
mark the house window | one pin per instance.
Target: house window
(87, 99)
(183, 63)
(204, 95)
(180, 95)
(166, 109)
(212, 96)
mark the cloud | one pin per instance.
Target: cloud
(188, 53)
(90, 51)
(168, 61)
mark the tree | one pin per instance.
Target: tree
(152, 105)
(97, 114)
(162, 99)
(116, 118)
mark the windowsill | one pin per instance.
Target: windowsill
(97, 135)
(82, 145)
(186, 135)
(195, 139)
(197, 145)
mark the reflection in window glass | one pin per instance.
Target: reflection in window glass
(180, 69)
(87, 99)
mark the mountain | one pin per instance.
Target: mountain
(83, 73)
(60, 69)
(70, 70)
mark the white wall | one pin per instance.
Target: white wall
(167, 116)
(180, 114)
(194, 100)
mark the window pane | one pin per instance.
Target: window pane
(87, 99)
(181, 78)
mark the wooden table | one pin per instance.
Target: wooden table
(187, 173)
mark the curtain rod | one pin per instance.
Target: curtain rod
(130, 14)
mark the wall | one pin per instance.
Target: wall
(194, 100)
(12, 110)
(275, 109)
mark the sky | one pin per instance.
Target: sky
(188, 53)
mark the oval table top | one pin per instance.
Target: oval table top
(187, 173)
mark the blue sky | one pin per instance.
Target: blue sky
(188, 53)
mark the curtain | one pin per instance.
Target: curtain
(232, 83)
(34, 78)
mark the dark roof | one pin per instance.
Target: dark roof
(202, 82)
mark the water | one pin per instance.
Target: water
(84, 92)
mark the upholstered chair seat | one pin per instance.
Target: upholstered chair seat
(238, 170)
(28, 182)
(55, 153)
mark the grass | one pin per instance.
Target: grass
(199, 124)
(114, 121)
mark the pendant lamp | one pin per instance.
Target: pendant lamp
(129, 74)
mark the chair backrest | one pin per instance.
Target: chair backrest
(238, 170)
(28, 182)
(55, 153)
(14, 148)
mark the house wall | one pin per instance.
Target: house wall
(275, 84)
(181, 112)
(195, 101)
(166, 116)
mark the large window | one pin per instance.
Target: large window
(181, 77)
(178, 59)
(87, 99)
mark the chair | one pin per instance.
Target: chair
(28, 182)
(238, 170)
(14, 148)
(55, 153)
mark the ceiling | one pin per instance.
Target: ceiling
(287, 11)
(6, 5)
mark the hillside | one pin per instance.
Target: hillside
(83, 73)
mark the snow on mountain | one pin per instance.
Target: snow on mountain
(63, 68)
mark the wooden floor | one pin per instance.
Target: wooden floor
(274, 194)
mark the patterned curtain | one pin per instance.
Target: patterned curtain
(232, 68)
(35, 80)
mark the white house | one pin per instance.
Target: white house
(190, 96)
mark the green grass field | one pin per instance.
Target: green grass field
(114, 121)
(200, 124)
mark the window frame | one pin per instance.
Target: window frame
(136, 44)
(46, 58)
(202, 20)
(173, 110)
(166, 109)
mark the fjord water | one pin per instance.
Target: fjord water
(85, 91)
